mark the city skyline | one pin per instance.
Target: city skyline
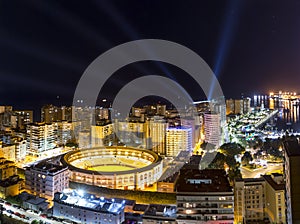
(44, 54)
(149, 112)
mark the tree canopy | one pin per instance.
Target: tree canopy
(231, 149)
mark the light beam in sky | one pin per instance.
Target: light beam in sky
(228, 31)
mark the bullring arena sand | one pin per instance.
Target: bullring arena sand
(111, 164)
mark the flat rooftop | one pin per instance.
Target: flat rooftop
(161, 211)
(4, 162)
(273, 184)
(208, 180)
(12, 180)
(89, 202)
(292, 147)
(48, 167)
(250, 180)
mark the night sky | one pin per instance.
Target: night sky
(253, 46)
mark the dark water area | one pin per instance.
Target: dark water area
(288, 117)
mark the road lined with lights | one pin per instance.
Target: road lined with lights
(26, 216)
(256, 173)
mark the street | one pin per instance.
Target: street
(28, 217)
(246, 173)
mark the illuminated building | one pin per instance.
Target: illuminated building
(102, 135)
(238, 106)
(189, 122)
(22, 118)
(161, 110)
(51, 113)
(114, 167)
(156, 214)
(8, 152)
(230, 106)
(178, 139)
(7, 168)
(130, 133)
(101, 113)
(166, 186)
(212, 128)
(84, 139)
(204, 196)
(20, 149)
(247, 105)
(87, 208)
(64, 132)
(5, 116)
(40, 138)
(156, 134)
(153, 110)
(44, 179)
(257, 199)
(13, 148)
(275, 198)
(137, 111)
(249, 199)
(11, 186)
(10, 183)
(292, 180)
(4, 109)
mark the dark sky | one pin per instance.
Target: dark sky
(253, 46)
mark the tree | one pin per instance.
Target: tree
(231, 149)
(218, 162)
(234, 174)
(247, 158)
(231, 162)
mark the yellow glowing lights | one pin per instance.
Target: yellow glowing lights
(189, 211)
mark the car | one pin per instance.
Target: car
(56, 219)
(7, 203)
(17, 214)
(16, 206)
(10, 211)
(30, 211)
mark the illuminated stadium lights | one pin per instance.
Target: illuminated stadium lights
(114, 167)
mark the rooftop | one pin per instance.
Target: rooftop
(48, 167)
(89, 202)
(178, 128)
(170, 179)
(193, 163)
(161, 211)
(36, 201)
(250, 180)
(292, 147)
(208, 180)
(4, 161)
(12, 180)
(140, 207)
(273, 184)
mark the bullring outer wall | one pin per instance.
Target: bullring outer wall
(136, 179)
